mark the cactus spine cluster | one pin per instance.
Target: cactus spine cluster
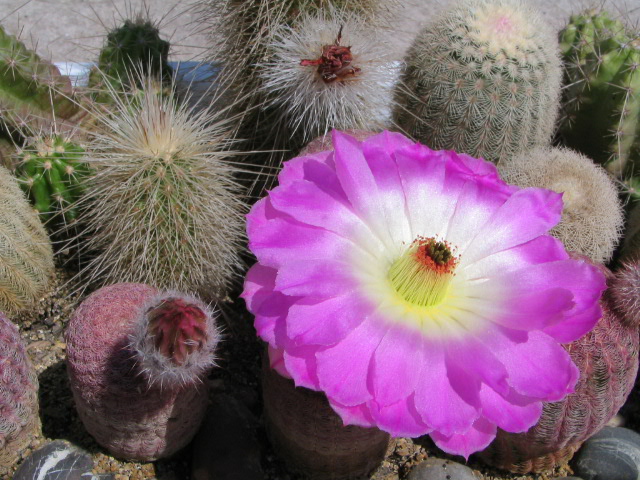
(136, 359)
(31, 89)
(26, 256)
(608, 361)
(484, 79)
(592, 228)
(51, 171)
(602, 97)
(162, 208)
(18, 394)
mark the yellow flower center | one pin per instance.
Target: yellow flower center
(423, 272)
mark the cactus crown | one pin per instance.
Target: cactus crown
(174, 340)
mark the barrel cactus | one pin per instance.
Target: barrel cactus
(26, 256)
(590, 227)
(18, 395)
(137, 358)
(602, 97)
(608, 361)
(51, 170)
(484, 79)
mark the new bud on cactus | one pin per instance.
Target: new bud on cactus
(26, 256)
(137, 358)
(19, 420)
(592, 216)
(484, 79)
(608, 361)
(51, 170)
(602, 97)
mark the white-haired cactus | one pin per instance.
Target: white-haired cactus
(26, 256)
(602, 96)
(589, 227)
(137, 358)
(483, 79)
(51, 170)
(19, 421)
(162, 207)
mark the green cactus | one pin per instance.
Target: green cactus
(31, 89)
(26, 256)
(51, 171)
(134, 46)
(602, 97)
(484, 79)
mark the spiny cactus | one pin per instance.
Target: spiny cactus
(51, 170)
(484, 79)
(31, 89)
(602, 97)
(162, 208)
(19, 422)
(134, 46)
(26, 256)
(137, 358)
(592, 216)
(608, 361)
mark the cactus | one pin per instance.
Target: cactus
(135, 46)
(484, 79)
(608, 361)
(162, 207)
(31, 90)
(589, 227)
(602, 98)
(26, 256)
(137, 358)
(51, 171)
(18, 395)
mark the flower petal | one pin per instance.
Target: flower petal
(400, 419)
(477, 438)
(356, 415)
(512, 412)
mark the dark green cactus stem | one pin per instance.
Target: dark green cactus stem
(51, 171)
(30, 86)
(602, 97)
(134, 50)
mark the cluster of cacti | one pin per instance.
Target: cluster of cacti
(32, 90)
(20, 422)
(608, 361)
(162, 208)
(602, 96)
(131, 51)
(51, 171)
(589, 227)
(26, 256)
(137, 358)
(484, 80)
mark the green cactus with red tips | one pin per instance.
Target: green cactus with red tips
(602, 97)
(31, 89)
(51, 171)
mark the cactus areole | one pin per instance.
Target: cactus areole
(335, 62)
(178, 327)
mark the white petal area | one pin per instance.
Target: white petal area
(527, 214)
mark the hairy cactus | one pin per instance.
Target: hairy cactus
(589, 227)
(51, 171)
(484, 79)
(19, 422)
(31, 89)
(136, 360)
(608, 361)
(602, 97)
(135, 46)
(26, 256)
(162, 208)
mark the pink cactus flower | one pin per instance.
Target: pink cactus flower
(417, 290)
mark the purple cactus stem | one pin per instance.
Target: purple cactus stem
(136, 362)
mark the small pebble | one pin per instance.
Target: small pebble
(439, 469)
(611, 454)
(58, 460)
